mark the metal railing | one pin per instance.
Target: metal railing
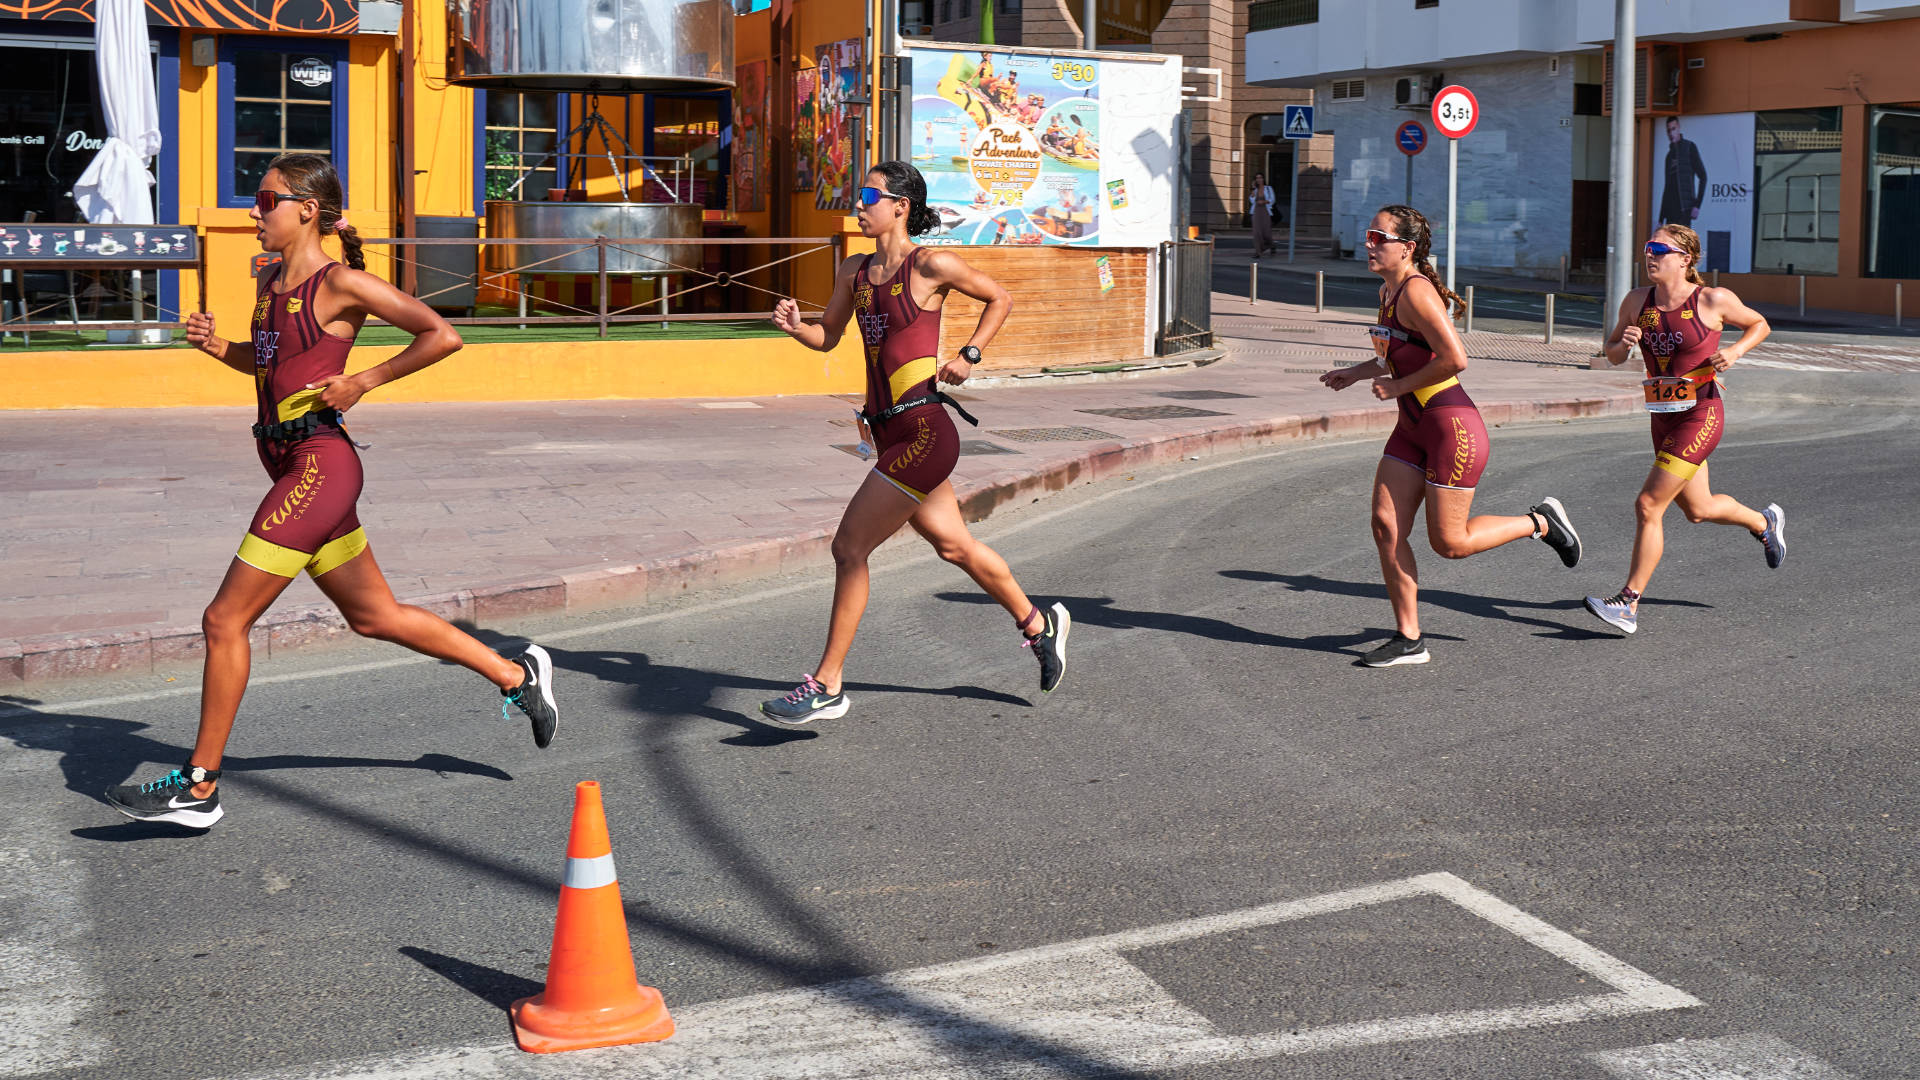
(1274, 14)
(1186, 307)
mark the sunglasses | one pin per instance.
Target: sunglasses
(264, 200)
(1376, 237)
(1655, 247)
(871, 195)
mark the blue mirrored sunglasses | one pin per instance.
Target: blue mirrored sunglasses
(1655, 247)
(871, 195)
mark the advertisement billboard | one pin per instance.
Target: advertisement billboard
(1703, 179)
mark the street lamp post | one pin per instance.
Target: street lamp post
(1620, 237)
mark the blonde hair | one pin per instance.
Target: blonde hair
(1412, 224)
(1688, 241)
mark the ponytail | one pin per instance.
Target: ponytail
(350, 246)
(904, 179)
(1412, 225)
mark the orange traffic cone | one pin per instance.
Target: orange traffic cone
(592, 997)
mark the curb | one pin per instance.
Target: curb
(47, 658)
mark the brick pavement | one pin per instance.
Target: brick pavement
(118, 527)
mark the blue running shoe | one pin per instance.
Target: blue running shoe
(1775, 538)
(1615, 610)
(170, 798)
(806, 703)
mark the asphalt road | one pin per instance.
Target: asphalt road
(1722, 803)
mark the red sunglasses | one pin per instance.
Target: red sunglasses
(264, 200)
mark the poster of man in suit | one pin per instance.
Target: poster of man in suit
(1706, 183)
(1686, 179)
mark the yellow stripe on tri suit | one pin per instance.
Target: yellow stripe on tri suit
(287, 562)
(910, 374)
(1678, 466)
(1424, 393)
(298, 404)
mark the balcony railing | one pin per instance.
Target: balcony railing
(1274, 14)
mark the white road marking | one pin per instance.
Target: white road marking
(1079, 1005)
(1738, 1057)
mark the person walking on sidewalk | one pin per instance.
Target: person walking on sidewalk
(1677, 323)
(307, 312)
(1260, 209)
(895, 295)
(1439, 446)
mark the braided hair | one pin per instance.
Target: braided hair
(312, 176)
(905, 180)
(1412, 224)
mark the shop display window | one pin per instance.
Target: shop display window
(276, 99)
(522, 129)
(1796, 165)
(1893, 193)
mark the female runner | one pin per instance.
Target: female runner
(308, 311)
(1677, 324)
(896, 294)
(1439, 446)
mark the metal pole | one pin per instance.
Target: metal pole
(1293, 198)
(1087, 17)
(1253, 290)
(600, 255)
(1469, 309)
(1563, 271)
(1453, 198)
(1320, 292)
(1716, 277)
(1803, 296)
(521, 288)
(1549, 318)
(1897, 305)
(1620, 194)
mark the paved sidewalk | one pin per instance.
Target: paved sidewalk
(118, 526)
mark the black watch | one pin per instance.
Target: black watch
(970, 354)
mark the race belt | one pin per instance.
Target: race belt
(935, 397)
(299, 427)
(1676, 393)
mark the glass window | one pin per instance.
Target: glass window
(282, 101)
(690, 127)
(522, 129)
(1796, 206)
(1893, 193)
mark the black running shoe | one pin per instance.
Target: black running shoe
(534, 695)
(806, 703)
(1775, 538)
(1400, 649)
(1559, 535)
(170, 798)
(1050, 645)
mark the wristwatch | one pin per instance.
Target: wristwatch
(970, 354)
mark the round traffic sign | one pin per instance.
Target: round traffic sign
(1411, 138)
(1455, 111)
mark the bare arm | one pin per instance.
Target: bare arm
(358, 294)
(1626, 328)
(1426, 314)
(825, 334)
(949, 271)
(1733, 312)
(234, 354)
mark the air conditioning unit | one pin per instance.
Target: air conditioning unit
(1415, 91)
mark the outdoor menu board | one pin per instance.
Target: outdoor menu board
(120, 245)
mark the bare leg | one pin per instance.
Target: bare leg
(245, 594)
(939, 521)
(1454, 535)
(1397, 490)
(362, 594)
(1649, 535)
(877, 511)
(1700, 504)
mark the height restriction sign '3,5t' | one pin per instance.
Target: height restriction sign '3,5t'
(1455, 111)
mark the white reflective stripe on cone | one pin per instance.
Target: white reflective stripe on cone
(590, 873)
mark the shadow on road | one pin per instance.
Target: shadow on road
(497, 988)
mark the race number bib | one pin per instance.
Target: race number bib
(1669, 394)
(1382, 340)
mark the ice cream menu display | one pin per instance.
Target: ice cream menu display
(128, 245)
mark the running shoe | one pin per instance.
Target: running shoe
(808, 702)
(1559, 535)
(1050, 646)
(169, 798)
(1775, 538)
(1615, 610)
(534, 695)
(1400, 649)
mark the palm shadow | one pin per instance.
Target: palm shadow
(1486, 607)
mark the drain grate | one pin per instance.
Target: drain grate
(1201, 395)
(1154, 412)
(979, 447)
(1054, 434)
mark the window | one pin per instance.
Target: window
(1586, 99)
(1893, 193)
(1796, 165)
(282, 100)
(1349, 89)
(1425, 4)
(522, 129)
(966, 9)
(689, 126)
(1009, 7)
(946, 10)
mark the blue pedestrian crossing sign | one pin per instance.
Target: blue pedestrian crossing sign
(1298, 122)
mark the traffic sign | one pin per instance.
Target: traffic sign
(1455, 111)
(1411, 138)
(1298, 123)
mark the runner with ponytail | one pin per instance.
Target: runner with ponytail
(1439, 447)
(306, 315)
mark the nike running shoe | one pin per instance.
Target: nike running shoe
(534, 695)
(1400, 649)
(1559, 535)
(1050, 645)
(1775, 538)
(808, 702)
(169, 798)
(1615, 610)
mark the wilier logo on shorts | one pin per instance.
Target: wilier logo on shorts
(922, 444)
(301, 497)
(1463, 448)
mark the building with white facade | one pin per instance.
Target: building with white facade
(1800, 121)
